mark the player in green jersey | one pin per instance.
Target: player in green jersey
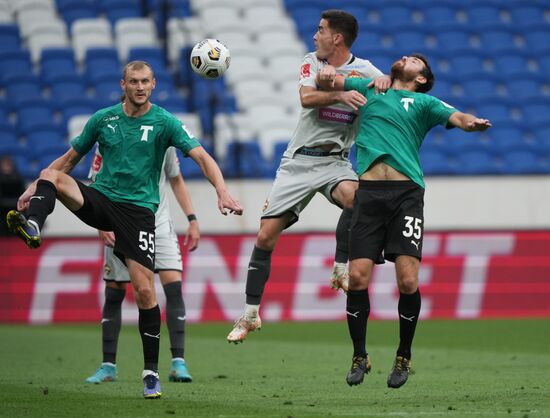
(132, 137)
(388, 212)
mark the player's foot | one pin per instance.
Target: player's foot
(340, 277)
(151, 385)
(24, 229)
(106, 373)
(242, 327)
(359, 367)
(179, 372)
(399, 373)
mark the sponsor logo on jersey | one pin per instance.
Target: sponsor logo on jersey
(336, 115)
(354, 74)
(110, 118)
(305, 71)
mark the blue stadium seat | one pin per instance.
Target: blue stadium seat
(453, 41)
(406, 42)
(35, 114)
(494, 41)
(101, 62)
(78, 106)
(118, 9)
(440, 16)
(480, 86)
(153, 55)
(525, 14)
(536, 112)
(56, 62)
(64, 87)
(521, 161)
(396, 15)
(477, 162)
(174, 103)
(9, 37)
(45, 141)
(483, 15)
(537, 39)
(72, 10)
(497, 112)
(26, 166)
(526, 88)
(466, 65)
(381, 61)
(107, 88)
(22, 87)
(14, 63)
(9, 143)
(436, 163)
(512, 65)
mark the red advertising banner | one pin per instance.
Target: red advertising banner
(463, 275)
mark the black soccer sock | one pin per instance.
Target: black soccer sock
(175, 317)
(259, 269)
(149, 329)
(110, 322)
(342, 236)
(42, 202)
(358, 310)
(409, 309)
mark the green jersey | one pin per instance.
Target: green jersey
(393, 126)
(133, 151)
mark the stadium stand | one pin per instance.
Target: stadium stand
(60, 60)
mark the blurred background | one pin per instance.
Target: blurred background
(487, 198)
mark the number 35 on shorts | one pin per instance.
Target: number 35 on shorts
(147, 241)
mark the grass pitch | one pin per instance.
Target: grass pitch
(461, 369)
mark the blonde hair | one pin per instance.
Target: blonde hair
(136, 65)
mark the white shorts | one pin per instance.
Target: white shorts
(167, 255)
(299, 178)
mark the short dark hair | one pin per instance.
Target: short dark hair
(427, 73)
(342, 22)
(136, 65)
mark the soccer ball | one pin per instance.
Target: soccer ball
(210, 58)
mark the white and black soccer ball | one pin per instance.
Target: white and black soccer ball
(210, 58)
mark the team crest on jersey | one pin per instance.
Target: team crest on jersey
(106, 270)
(354, 74)
(305, 71)
(266, 205)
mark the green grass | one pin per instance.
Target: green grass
(461, 369)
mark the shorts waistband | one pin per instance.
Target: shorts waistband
(387, 184)
(316, 152)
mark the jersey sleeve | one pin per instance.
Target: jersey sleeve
(308, 71)
(439, 112)
(84, 142)
(371, 71)
(171, 163)
(357, 84)
(180, 136)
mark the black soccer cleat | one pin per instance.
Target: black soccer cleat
(399, 373)
(20, 226)
(359, 367)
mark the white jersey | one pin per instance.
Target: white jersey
(170, 169)
(335, 124)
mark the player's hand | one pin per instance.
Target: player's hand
(478, 124)
(108, 238)
(227, 202)
(353, 99)
(25, 198)
(327, 74)
(192, 236)
(381, 84)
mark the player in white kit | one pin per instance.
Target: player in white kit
(167, 265)
(316, 159)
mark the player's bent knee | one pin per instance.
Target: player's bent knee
(408, 284)
(145, 296)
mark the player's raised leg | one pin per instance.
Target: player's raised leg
(259, 269)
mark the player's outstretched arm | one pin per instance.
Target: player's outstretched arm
(213, 173)
(468, 122)
(192, 236)
(65, 163)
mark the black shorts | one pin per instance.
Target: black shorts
(133, 225)
(387, 216)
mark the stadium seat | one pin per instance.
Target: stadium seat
(153, 55)
(9, 37)
(526, 14)
(74, 10)
(35, 114)
(132, 32)
(57, 62)
(476, 162)
(46, 141)
(483, 15)
(513, 65)
(526, 88)
(394, 15)
(77, 106)
(537, 39)
(76, 124)
(406, 42)
(495, 41)
(480, 86)
(536, 112)
(100, 62)
(453, 41)
(435, 163)
(65, 87)
(22, 87)
(90, 33)
(14, 63)
(521, 161)
(440, 16)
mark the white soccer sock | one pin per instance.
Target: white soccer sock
(251, 311)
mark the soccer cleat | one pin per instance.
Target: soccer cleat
(399, 373)
(106, 373)
(340, 277)
(151, 385)
(24, 229)
(242, 327)
(179, 372)
(359, 367)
